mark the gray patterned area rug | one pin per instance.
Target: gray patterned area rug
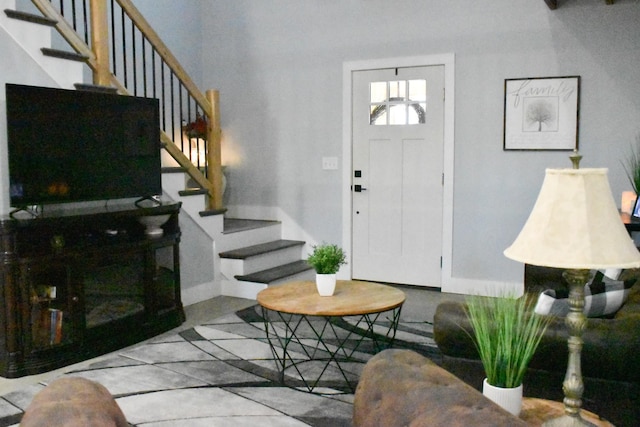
(223, 373)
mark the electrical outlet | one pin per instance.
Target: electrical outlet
(329, 163)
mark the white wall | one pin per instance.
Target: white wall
(16, 67)
(278, 66)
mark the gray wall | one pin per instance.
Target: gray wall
(278, 66)
(178, 24)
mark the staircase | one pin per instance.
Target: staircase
(249, 269)
(249, 254)
(34, 33)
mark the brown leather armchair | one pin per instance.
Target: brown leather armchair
(610, 355)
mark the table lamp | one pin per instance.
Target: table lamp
(575, 225)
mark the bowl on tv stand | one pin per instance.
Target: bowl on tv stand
(153, 224)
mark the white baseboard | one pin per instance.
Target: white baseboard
(199, 293)
(238, 289)
(482, 287)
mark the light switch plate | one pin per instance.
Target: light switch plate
(329, 163)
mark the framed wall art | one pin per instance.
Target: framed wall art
(541, 113)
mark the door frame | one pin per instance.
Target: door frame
(448, 61)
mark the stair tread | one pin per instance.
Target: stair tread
(212, 212)
(233, 225)
(63, 54)
(275, 273)
(260, 249)
(173, 169)
(95, 88)
(30, 17)
(192, 192)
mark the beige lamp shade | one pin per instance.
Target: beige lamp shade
(575, 224)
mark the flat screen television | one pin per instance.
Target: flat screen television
(73, 145)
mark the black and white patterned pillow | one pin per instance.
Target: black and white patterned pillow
(603, 296)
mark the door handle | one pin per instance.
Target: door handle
(358, 188)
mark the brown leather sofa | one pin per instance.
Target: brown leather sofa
(73, 402)
(610, 355)
(402, 388)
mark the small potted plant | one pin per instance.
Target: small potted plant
(506, 332)
(326, 260)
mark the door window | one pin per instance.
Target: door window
(397, 102)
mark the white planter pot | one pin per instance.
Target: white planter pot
(326, 284)
(508, 398)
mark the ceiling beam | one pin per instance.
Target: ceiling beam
(553, 4)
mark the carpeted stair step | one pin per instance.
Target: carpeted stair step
(274, 274)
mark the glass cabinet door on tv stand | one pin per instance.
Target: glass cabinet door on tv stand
(52, 302)
(113, 289)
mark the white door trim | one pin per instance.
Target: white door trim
(448, 60)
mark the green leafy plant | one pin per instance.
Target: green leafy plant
(632, 166)
(326, 258)
(506, 332)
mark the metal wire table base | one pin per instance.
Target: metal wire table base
(327, 341)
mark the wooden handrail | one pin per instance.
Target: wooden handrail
(100, 42)
(98, 60)
(213, 184)
(69, 34)
(165, 53)
(214, 155)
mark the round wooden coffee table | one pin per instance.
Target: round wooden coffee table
(538, 411)
(302, 326)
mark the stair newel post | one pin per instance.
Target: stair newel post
(100, 42)
(214, 155)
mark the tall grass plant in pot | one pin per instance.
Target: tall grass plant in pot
(506, 332)
(326, 260)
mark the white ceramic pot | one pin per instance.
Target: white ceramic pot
(326, 284)
(153, 224)
(508, 398)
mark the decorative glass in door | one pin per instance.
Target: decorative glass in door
(398, 102)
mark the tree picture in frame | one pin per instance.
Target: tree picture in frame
(541, 113)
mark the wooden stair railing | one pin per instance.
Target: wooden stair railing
(142, 65)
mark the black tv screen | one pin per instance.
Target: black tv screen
(72, 145)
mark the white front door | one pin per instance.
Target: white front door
(397, 175)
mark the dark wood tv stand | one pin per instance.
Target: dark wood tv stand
(82, 284)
